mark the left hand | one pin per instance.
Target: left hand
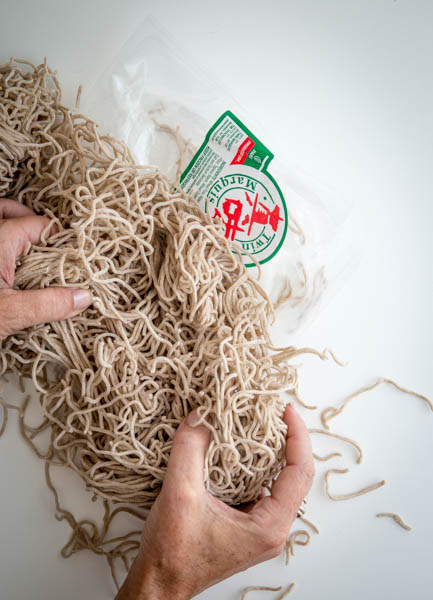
(21, 309)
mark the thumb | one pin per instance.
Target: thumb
(188, 453)
(21, 309)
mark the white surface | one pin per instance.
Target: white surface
(346, 85)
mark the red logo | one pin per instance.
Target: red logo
(260, 214)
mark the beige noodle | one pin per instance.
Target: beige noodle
(397, 519)
(332, 411)
(360, 492)
(285, 294)
(326, 457)
(309, 523)
(78, 97)
(258, 588)
(291, 352)
(295, 393)
(296, 228)
(185, 148)
(301, 537)
(85, 534)
(342, 438)
(286, 592)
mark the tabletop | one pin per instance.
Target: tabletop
(345, 88)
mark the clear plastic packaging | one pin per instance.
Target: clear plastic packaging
(162, 104)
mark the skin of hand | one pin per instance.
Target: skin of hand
(23, 308)
(191, 540)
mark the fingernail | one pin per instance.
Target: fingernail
(82, 299)
(193, 418)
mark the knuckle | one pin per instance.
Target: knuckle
(8, 226)
(63, 300)
(310, 471)
(273, 542)
(277, 550)
(12, 232)
(184, 496)
(280, 542)
(307, 472)
(11, 313)
(4, 330)
(60, 301)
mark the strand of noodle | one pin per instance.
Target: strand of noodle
(324, 355)
(21, 384)
(5, 417)
(397, 519)
(295, 227)
(78, 97)
(295, 393)
(293, 540)
(183, 145)
(361, 492)
(285, 294)
(258, 588)
(81, 539)
(301, 266)
(342, 438)
(327, 456)
(332, 411)
(310, 524)
(286, 592)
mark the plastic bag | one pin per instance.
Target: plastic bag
(162, 104)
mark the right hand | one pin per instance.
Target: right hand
(192, 540)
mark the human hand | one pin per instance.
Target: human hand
(191, 540)
(21, 309)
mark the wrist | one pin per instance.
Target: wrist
(147, 582)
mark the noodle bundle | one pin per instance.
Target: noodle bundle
(176, 323)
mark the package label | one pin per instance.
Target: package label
(228, 177)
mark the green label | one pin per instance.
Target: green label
(228, 177)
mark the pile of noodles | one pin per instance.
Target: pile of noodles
(177, 323)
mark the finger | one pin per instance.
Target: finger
(21, 309)
(294, 481)
(15, 234)
(187, 457)
(10, 209)
(20, 230)
(299, 451)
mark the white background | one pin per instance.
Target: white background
(346, 88)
